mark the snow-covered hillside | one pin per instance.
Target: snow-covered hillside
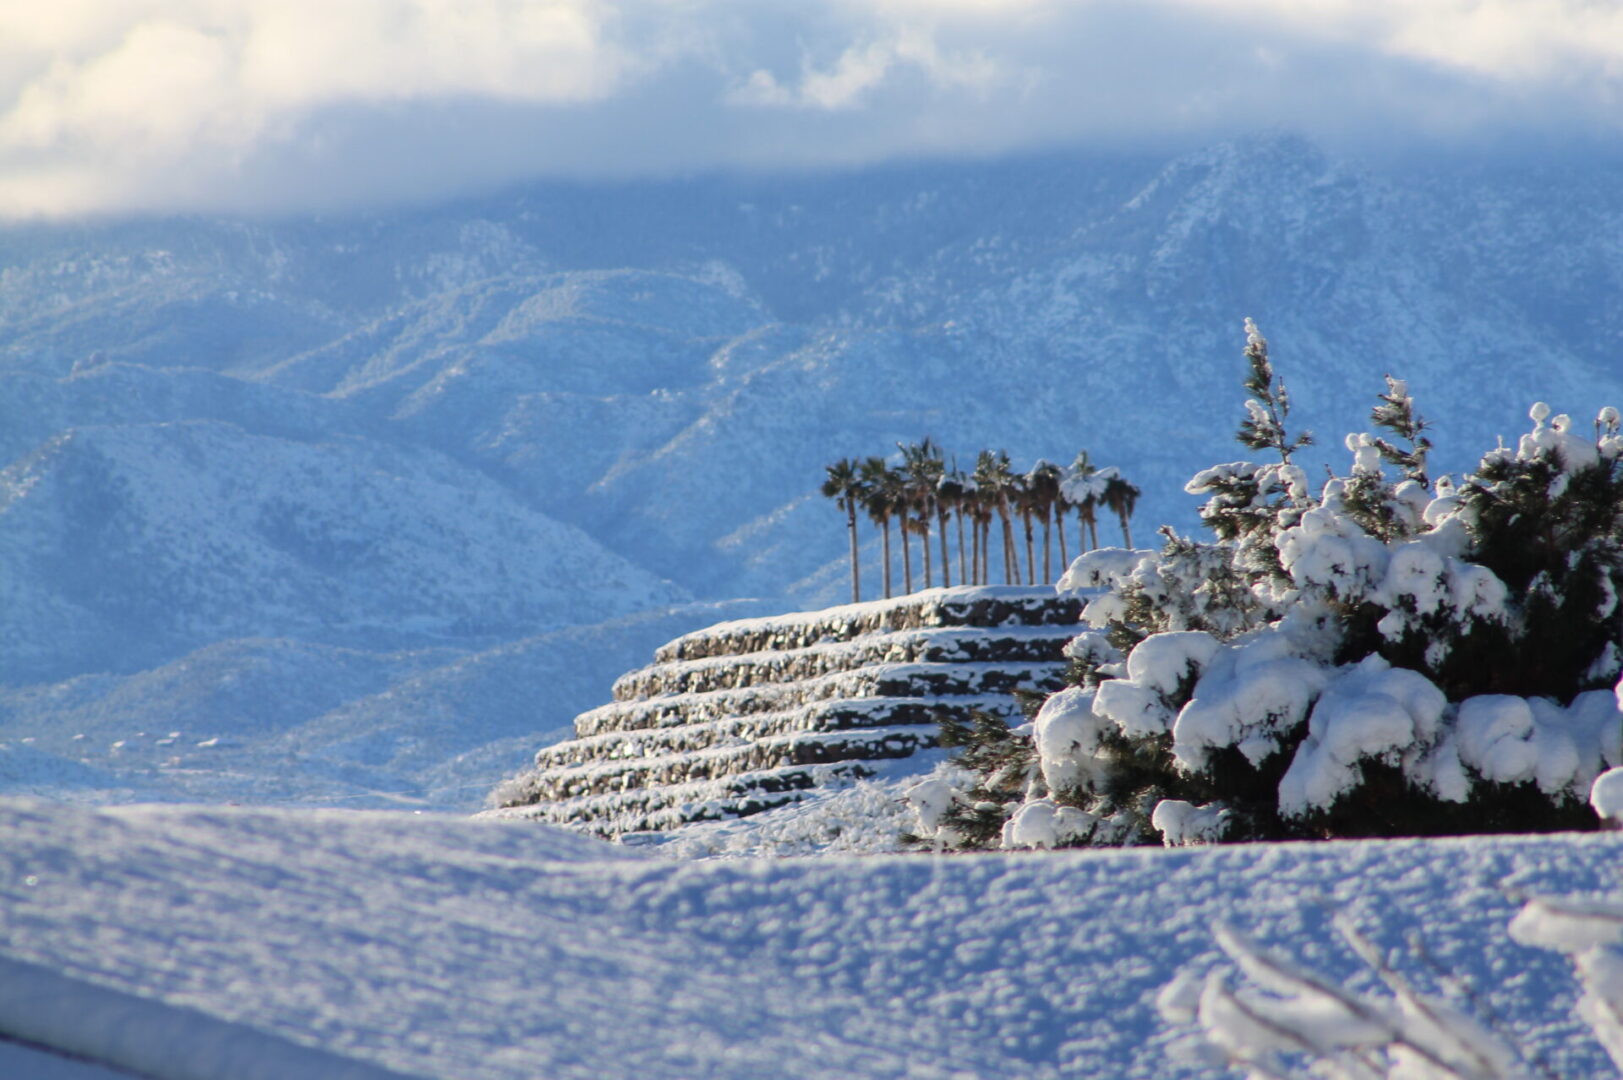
(471, 950)
(461, 427)
(130, 545)
(285, 721)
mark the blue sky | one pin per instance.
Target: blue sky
(267, 105)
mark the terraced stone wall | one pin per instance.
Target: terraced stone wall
(749, 715)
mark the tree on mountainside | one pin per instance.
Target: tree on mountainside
(1042, 489)
(995, 479)
(926, 498)
(951, 493)
(1022, 499)
(978, 507)
(844, 486)
(1120, 497)
(880, 496)
(1083, 489)
(904, 507)
(923, 466)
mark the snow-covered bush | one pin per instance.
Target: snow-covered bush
(1385, 656)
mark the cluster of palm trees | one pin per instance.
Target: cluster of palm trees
(926, 496)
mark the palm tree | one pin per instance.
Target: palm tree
(923, 466)
(971, 506)
(1042, 486)
(1082, 487)
(980, 521)
(1061, 505)
(879, 485)
(951, 492)
(1121, 496)
(844, 486)
(1025, 505)
(994, 477)
(903, 502)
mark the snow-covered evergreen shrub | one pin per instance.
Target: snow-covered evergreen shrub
(1385, 656)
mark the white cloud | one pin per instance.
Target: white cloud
(863, 67)
(265, 104)
(1509, 40)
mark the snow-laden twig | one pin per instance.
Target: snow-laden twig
(1294, 1014)
(1591, 932)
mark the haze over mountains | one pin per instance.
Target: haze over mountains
(395, 496)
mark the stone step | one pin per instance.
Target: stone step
(835, 715)
(879, 680)
(943, 645)
(753, 714)
(716, 762)
(979, 605)
(647, 809)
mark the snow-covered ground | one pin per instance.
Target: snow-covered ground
(462, 949)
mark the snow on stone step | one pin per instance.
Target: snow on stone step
(879, 680)
(841, 714)
(753, 710)
(981, 605)
(933, 645)
(740, 756)
(652, 808)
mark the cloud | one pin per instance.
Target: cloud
(1505, 40)
(130, 105)
(863, 67)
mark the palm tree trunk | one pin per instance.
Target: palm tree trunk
(1031, 560)
(1048, 531)
(1126, 532)
(1011, 561)
(907, 555)
(946, 553)
(924, 522)
(856, 569)
(1064, 559)
(963, 575)
(887, 556)
(1003, 533)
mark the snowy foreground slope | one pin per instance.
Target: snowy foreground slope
(466, 949)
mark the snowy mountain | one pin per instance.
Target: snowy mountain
(461, 427)
(196, 531)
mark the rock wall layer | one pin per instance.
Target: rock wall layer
(750, 715)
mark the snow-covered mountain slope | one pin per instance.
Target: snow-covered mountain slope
(383, 432)
(126, 545)
(475, 950)
(298, 722)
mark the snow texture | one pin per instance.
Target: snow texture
(474, 950)
(150, 1038)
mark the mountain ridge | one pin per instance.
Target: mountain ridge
(662, 368)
